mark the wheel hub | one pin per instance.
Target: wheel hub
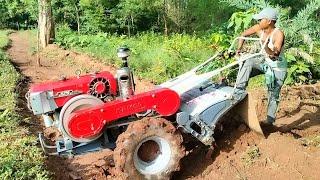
(152, 155)
(148, 151)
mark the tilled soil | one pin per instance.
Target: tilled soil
(239, 152)
(281, 154)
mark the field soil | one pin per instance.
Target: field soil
(290, 150)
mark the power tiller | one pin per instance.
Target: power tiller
(93, 111)
(86, 107)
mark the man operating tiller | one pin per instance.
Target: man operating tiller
(272, 63)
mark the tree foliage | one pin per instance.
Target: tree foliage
(120, 16)
(18, 13)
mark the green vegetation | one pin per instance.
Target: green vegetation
(155, 60)
(120, 16)
(170, 36)
(9, 77)
(153, 56)
(311, 141)
(167, 38)
(251, 155)
(20, 158)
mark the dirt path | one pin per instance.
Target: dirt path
(282, 155)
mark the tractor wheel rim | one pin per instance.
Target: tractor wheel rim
(152, 155)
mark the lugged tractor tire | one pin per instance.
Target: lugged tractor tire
(150, 148)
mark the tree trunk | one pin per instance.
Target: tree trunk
(132, 24)
(45, 23)
(165, 25)
(129, 32)
(164, 18)
(78, 17)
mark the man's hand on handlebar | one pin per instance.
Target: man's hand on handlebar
(227, 54)
(238, 51)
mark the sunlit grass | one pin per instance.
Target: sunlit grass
(20, 156)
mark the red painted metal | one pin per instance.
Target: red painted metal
(100, 87)
(78, 85)
(89, 122)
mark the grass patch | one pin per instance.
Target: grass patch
(4, 40)
(311, 141)
(20, 158)
(251, 155)
(8, 76)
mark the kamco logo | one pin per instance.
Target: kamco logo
(66, 93)
(129, 108)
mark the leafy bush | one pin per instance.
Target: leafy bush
(299, 71)
(153, 56)
(241, 20)
(20, 158)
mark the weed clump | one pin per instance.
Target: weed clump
(251, 155)
(311, 141)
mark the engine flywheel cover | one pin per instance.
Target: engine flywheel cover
(99, 87)
(75, 104)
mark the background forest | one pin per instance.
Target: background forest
(168, 37)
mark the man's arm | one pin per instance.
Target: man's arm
(254, 29)
(278, 43)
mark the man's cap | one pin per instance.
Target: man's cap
(267, 13)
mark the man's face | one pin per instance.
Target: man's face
(264, 23)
